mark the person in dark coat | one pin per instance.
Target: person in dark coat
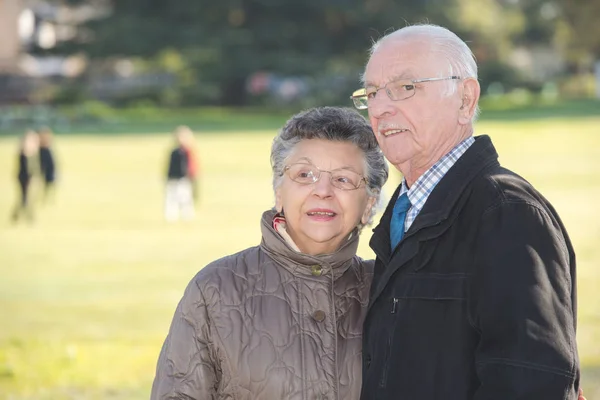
(26, 170)
(186, 136)
(179, 203)
(474, 288)
(47, 162)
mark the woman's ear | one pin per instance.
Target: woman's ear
(367, 213)
(278, 201)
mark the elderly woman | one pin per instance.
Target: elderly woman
(283, 320)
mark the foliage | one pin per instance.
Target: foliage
(218, 45)
(580, 31)
(494, 73)
(212, 48)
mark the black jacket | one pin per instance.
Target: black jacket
(478, 299)
(24, 173)
(47, 165)
(178, 164)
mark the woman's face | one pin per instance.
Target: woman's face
(320, 216)
(31, 144)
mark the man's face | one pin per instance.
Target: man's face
(413, 133)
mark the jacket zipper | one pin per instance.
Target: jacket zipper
(384, 373)
(394, 304)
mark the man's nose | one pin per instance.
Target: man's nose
(381, 105)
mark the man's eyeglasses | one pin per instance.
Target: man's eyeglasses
(396, 90)
(305, 174)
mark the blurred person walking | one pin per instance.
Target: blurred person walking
(26, 170)
(193, 172)
(179, 202)
(47, 162)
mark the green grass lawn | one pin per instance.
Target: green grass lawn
(88, 291)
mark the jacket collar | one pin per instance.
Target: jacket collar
(441, 206)
(303, 264)
(443, 198)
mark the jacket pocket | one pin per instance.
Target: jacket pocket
(426, 322)
(432, 287)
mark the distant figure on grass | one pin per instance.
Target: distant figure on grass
(178, 194)
(47, 162)
(27, 168)
(189, 145)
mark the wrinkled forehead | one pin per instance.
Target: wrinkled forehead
(401, 58)
(328, 154)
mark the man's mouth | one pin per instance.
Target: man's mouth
(393, 132)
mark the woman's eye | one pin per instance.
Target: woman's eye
(305, 174)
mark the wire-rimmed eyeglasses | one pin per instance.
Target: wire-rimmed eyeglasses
(401, 89)
(306, 174)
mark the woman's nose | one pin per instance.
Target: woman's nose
(323, 186)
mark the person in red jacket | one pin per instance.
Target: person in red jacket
(193, 171)
(178, 192)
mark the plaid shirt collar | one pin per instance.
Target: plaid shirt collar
(422, 188)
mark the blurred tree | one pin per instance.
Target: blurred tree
(213, 47)
(224, 42)
(580, 31)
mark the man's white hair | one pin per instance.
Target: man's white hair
(459, 57)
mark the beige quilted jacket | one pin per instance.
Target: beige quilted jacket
(269, 323)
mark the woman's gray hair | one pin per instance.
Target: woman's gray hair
(338, 124)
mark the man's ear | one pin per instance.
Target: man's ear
(367, 213)
(470, 99)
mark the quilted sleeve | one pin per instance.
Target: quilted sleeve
(187, 367)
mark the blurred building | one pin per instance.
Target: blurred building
(27, 29)
(539, 63)
(10, 45)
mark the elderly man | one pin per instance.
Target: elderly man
(474, 291)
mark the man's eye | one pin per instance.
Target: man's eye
(408, 87)
(371, 94)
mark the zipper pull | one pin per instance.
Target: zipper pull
(394, 304)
